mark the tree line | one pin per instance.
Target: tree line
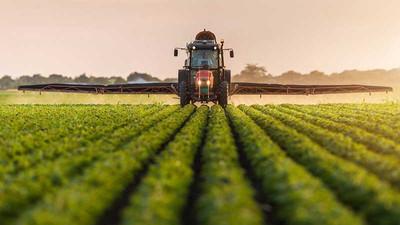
(255, 73)
(7, 82)
(251, 73)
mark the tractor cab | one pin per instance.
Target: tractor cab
(204, 58)
(204, 74)
(204, 64)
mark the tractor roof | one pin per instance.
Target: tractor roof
(206, 35)
(204, 40)
(202, 44)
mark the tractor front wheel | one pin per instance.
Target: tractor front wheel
(184, 93)
(223, 93)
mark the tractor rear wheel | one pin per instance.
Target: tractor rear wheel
(223, 93)
(184, 93)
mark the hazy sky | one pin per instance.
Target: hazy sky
(116, 37)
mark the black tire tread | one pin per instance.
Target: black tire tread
(223, 94)
(184, 93)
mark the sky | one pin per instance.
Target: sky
(117, 37)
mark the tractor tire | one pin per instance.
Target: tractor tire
(223, 94)
(184, 93)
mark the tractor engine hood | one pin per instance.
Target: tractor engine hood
(204, 78)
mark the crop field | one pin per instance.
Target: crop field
(163, 164)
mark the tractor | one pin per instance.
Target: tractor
(204, 77)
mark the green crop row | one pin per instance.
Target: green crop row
(353, 185)
(73, 139)
(54, 128)
(374, 142)
(390, 110)
(225, 195)
(10, 167)
(23, 189)
(371, 116)
(45, 121)
(334, 115)
(163, 193)
(86, 197)
(385, 167)
(25, 119)
(298, 196)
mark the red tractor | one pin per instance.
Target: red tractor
(204, 77)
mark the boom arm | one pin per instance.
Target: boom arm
(139, 88)
(291, 89)
(236, 88)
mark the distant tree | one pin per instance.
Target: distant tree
(26, 80)
(369, 77)
(116, 80)
(56, 78)
(317, 77)
(289, 77)
(38, 79)
(82, 79)
(99, 80)
(6, 82)
(147, 77)
(392, 75)
(253, 73)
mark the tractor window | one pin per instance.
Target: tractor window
(204, 58)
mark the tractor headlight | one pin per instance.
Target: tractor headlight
(199, 82)
(208, 82)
